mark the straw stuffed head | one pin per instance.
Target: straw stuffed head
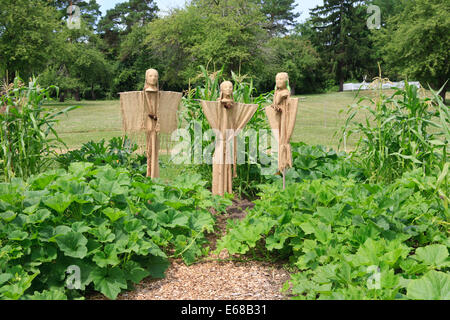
(151, 80)
(282, 80)
(226, 94)
(226, 90)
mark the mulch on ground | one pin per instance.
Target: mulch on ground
(216, 279)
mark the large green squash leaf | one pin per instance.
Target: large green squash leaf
(73, 244)
(60, 202)
(433, 255)
(434, 285)
(135, 272)
(106, 257)
(109, 281)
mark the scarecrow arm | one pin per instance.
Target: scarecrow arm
(281, 97)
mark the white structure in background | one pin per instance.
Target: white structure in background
(366, 85)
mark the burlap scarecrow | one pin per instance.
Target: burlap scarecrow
(227, 118)
(153, 112)
(282, 115)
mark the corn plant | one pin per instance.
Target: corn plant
(401, 132)
(27, 136)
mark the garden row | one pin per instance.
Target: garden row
(341, 236)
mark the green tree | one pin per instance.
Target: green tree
(80, 67)
(81, 70)
(120, 20)
(296, 56)
(92, 69)
(58, 74)
(280, 15)
(388, 8)
(305, 30)
(89, 10)
(134, 57)
(415, 43)
(27, 36)
(226, 34)
(342, 37)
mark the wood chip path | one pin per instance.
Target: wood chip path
(214, 280)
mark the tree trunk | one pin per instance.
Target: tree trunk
(62, 96)
(11, 76)
(77, 94)
(292, 85)
(340, 76)
(93, 92)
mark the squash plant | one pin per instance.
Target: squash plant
(111, 229)
(348, 240)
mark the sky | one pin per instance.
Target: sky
(164, 5)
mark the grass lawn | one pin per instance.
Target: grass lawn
(94, 120)
(317, 120)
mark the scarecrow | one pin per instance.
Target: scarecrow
(152, 111)
(282, 115)
(227, 118)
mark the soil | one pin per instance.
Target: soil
(214, 279)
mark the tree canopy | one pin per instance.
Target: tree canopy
(341, 33)
(415, 43)
(108, 53)
(27, 36)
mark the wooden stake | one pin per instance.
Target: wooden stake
(284, 179)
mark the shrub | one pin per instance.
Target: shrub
(120, 152)
(315, 162)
